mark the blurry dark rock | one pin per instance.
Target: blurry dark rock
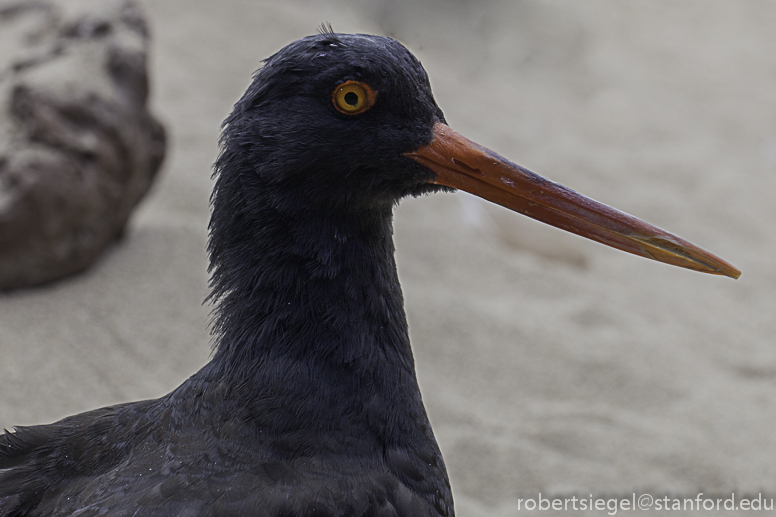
(78, 147)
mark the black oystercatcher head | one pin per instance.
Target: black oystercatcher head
(334, 114)
(351, 123)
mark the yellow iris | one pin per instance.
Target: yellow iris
(353, 97)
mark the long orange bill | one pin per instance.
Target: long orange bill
(460, 163)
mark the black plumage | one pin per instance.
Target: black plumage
(310, 404)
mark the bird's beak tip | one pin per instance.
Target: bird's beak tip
(674, 250)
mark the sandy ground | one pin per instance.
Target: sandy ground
(548, 364)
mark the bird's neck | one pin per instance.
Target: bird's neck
(310, 313)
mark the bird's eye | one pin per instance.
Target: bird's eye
(353, 97)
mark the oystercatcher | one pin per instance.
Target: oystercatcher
(310, 404)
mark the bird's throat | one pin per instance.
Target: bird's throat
(311, 307)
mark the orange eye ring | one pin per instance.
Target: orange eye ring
(353, 97)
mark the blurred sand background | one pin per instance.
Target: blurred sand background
(547, 363)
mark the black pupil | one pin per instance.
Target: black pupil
(351, 98)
